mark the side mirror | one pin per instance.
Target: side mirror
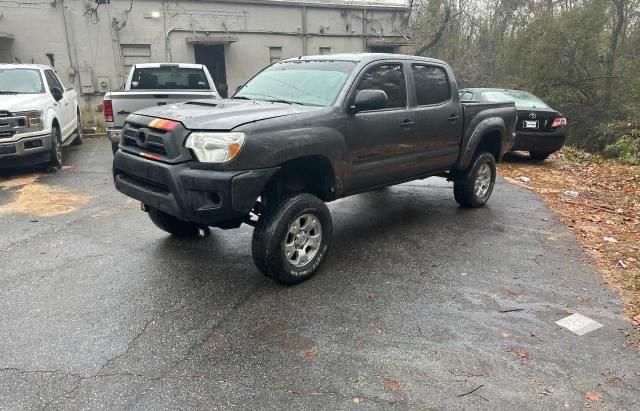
(369, 100)
(57, 94)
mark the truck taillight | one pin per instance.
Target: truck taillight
(108, 111)
(559, 122)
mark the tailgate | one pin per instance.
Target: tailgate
(128, 102)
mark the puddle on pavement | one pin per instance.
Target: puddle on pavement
(25, 195)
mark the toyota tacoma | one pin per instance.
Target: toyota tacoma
(303, 132)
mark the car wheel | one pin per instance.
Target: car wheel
(535, 156)
(79, 137)
(473, 188)
(55, 155)
(175, 226)
(291, 240)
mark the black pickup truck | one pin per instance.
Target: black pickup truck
(303, 132)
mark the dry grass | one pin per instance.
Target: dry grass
(605, 214)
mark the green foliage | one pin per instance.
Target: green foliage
(569, 53)
(626, 148)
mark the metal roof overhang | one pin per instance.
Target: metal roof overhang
(212, 40)
(6, 36)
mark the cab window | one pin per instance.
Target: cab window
(388, 78)
(432, 84)
(52, 80)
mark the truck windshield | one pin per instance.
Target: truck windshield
(521, 98)
(313, 83)
(169, 77)
(21, 81)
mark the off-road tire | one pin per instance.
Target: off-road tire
(464, 189)
(535, 156)
(55, 154)
(270, 234)
(174, 225)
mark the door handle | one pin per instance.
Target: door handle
(124, 112)
(407, 124)
(453, 118)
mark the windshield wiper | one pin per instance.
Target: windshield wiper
(279, 100)
(8, 92)
(240, 98)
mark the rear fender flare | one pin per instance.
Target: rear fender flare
(483, 128)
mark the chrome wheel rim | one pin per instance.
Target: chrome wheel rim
(303, 239)
(483, 181)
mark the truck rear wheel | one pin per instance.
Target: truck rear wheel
(473, 188)
(291, 239)
(174, 225)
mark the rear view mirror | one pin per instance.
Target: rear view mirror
(369, 100)
(56, 93)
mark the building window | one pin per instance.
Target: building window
(275, 54)
(325, 50)
(135, 54)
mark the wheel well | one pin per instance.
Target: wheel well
(491, 143)
(311, 174)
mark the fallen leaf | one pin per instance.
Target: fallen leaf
(391, 384)
(310, 353)
(593, 396)
(520, 352)
(505, 334)
(355, 400)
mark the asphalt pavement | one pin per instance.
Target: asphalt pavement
(420, 304)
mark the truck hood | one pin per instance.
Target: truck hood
(223, 114)
(23, 102)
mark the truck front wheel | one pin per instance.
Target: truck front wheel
(473, 188)
(175, 226)
(291, 240)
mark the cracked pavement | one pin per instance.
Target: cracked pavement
(414, 308)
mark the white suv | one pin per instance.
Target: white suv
(38, 115)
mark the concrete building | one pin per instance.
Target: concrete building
(93, 43)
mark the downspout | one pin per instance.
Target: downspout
(304, 30)
(66, 33)
(364, 30)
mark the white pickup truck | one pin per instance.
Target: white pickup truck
(38, 115)
(155, 84)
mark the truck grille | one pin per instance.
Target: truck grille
(9, 123)
(144, 136)
(145, 139)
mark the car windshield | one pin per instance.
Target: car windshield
(169, 78)
(313, 83)
(521, 98)
(21, 81)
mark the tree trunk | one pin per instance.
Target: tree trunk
(611, 53)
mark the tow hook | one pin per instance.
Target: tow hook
(144, 207)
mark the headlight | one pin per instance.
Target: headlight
(34, 121)
(215, 147)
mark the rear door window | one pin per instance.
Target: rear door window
(388, 78)
(432, 84)
(167, 78)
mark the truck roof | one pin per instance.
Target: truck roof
(366, 57)
(25, 66)
(180, 65)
